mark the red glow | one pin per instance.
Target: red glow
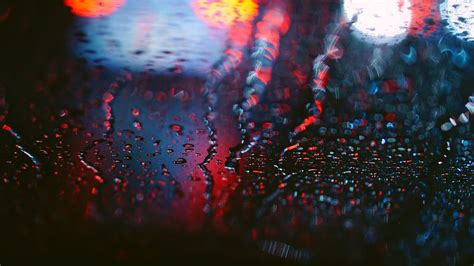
(390, 86)
(5, 14)
(264, 74)
(271, 20)
(307, 122)
(318, 105)
(422, 12)
(292, 147)
(252, 100)
(240, 34)
(94, 8)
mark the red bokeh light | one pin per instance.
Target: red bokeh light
(94, 8)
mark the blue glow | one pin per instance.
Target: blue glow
(461, 59)
(410, 57)
(163, 36)
(373, 89)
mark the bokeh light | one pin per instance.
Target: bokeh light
(459, 15)
(379, 21)
(94, 8)
(224, 13)
(154, 35)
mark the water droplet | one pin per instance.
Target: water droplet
(177, 128)
(180, 161)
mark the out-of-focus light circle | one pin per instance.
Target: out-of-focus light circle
(93, 8)
(459, 15)
(159, 36)
(379, 21)
(224, 13)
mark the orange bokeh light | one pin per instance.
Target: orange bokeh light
(224, 13)
(94, 8)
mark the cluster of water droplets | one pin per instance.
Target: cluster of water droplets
(265, 52)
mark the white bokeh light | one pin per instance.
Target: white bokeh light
(459, 15)
(379, 21)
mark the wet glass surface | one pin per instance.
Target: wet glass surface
(258, 132)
